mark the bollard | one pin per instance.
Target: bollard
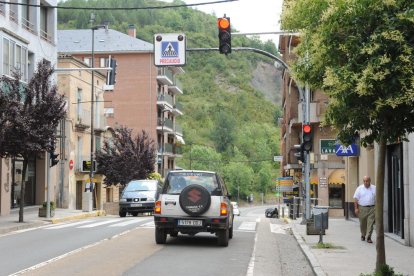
(283, 212)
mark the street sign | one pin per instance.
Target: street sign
(86, 166)
(277, 158)
(169, 49)
(71, 165)
(327, 146)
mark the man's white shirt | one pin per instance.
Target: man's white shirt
(365, 196)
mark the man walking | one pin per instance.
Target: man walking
(365, 208)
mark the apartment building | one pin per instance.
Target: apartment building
(27, 35)
(74, 82)
(327, 174)
(144, 97)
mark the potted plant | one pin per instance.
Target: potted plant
(42, 209)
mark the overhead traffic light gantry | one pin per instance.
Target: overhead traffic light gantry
(224, 35)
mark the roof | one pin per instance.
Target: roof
(80, 41)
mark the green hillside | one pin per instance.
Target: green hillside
(229, 125)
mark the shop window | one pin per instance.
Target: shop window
(336, 195)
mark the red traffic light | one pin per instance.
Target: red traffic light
(223, 23)
(307, 129)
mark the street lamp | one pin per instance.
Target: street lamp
(91, 171)
(162, 138)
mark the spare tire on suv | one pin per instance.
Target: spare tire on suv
(191, 202)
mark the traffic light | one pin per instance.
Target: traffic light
(299, 153)
(224, 35)
(112, 74)
(53, 158)
(307, 138)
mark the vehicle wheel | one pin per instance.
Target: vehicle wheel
(160, 236)
(174, 234)
(134, 214)
(122, 214)
(195, 200)
(223, 237)
(231, 232)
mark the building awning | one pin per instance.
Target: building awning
(337, 177)
(180, 139)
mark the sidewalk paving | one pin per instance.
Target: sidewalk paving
(31, 218)
(354, 256)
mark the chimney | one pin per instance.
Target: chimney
(132, 31)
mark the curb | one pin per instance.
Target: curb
(80, 216)
(316, 267)
(21, 226)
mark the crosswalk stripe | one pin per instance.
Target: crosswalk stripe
(248, 226)
(66, 225)
(128, 222)
(98, 223)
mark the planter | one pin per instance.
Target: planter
(42, 212)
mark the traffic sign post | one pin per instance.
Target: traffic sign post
(169, 49)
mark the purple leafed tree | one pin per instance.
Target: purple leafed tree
(29, 116)
(124, 158)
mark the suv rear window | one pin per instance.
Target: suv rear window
(176, 182)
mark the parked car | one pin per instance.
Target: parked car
(236, 210)
(191, 202)
(272, 212)
(139, 197)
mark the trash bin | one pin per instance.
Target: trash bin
(320, 214)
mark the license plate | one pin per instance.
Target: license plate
(189, 222)
(136, 205)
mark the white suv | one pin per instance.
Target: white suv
(191, 202)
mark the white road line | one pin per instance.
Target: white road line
(277, 228)
(248, 226)
(98, 223)
(250, 268)
(128, 222)
(148, 225)
(66, 225)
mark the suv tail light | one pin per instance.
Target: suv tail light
(223, 209)
(157, 208)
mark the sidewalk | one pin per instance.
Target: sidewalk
(31, 218)
(352, 256)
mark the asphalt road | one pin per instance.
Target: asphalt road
(126, 246)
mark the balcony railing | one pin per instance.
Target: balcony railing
(2, 9)
(100, 122)
(28, 25)
(178, 129)
(46, 36)
(13, 16)
(165, 124)
(178, 108)
(168, 149)
(165, 76)
(165, 99)
(178, 150)
(83, 119)
(176, 87)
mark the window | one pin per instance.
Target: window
(109, 112)
(87, 61)
(14, 58)
(43, 23)
(104, 62)
(78, 104)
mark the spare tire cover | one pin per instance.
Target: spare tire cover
(195, 200)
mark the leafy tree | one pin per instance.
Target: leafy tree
(29, 116)
(361, 53)
(203, 158)
(223, 134)
(239, 179)
(124, 158)
(264, 179)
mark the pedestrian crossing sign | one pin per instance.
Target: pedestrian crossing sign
(169, 49)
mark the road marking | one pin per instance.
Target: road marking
(98, 223)
(148, 225)
(66, 225)
(249, 226)
(278, 229)
(128, 222)
(250, 268)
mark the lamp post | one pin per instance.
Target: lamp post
(91, 171)
(163, 110)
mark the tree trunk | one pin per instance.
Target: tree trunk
(379, 206)
(23, 188)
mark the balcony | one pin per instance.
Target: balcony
(26, 24)
(165, 125)
(83, 120)
(13, 16)
(178, 109)
(167, 151)
(100, 123)
(165, 100)
(178, 151)
(165, 76)
(178, 129)
(46, 36)
(176, 88)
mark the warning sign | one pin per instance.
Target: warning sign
(169, 49)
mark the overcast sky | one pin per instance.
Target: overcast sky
(247, 15)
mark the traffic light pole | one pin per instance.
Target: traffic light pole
(307, 164)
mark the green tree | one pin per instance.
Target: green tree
(361, 53)
(203, 158)
(29, 116)
(224, 134)
(124, 157)
(239, 179)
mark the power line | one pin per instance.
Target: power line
(122, 8)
